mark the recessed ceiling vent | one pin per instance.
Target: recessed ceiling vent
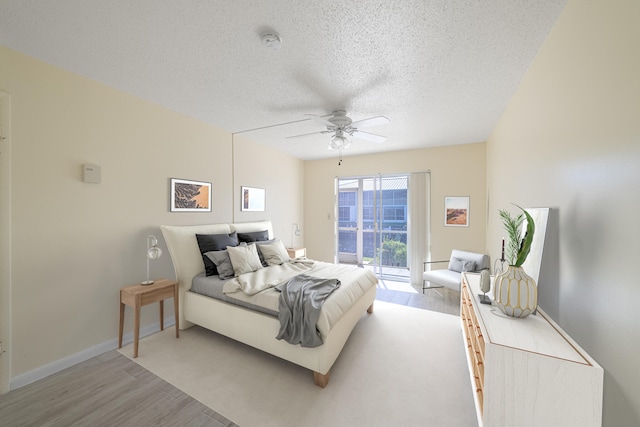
(271, 41)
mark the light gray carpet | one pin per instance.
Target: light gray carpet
(401, 366)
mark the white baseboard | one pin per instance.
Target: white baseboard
(57, 366)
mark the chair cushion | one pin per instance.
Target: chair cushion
(447, 278)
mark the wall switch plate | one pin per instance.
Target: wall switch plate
(91, 174)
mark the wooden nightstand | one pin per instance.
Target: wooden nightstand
(138, 295)
(297, 252)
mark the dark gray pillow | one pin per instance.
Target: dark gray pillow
(254, 236)
(214, 242)
(223, 263)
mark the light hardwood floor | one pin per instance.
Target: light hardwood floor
(112, 390)
(107, 390)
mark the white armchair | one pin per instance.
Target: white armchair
(450, 277)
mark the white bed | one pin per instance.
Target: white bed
(247, 326)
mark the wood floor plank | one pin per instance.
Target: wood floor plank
(107, 390)
(59, 395)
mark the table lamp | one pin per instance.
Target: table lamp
(153, 252)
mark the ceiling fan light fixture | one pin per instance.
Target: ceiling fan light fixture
(339, 141)
(343, 128)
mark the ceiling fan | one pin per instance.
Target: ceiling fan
(342, 127)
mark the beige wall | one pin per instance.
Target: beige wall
(282, 178)
(75, 244)
(455, 171)
(570, 140)
(5, 237)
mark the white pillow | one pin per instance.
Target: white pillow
(244, 259)
(274, 253)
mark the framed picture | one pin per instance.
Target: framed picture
(190, 196)
(456, 211)
(252, 199)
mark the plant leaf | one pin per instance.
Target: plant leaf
(512, 226)
(528, 239)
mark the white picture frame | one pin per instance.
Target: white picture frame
(456, 211)
(252, 199)
(190, 196)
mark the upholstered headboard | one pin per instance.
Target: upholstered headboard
(185, 252)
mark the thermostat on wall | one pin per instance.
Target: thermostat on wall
(91, 174)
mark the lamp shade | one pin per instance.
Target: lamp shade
(154, 252)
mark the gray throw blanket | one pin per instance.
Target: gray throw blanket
(301, 299)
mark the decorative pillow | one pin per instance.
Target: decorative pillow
(460, 265)
(214, 242)
(254, 236)
(259, 244)
(244, 259)
(468, 266)
(222, 262)
(455, 264)
(274, 253)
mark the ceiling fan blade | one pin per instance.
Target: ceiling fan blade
(320, 120)
(307, 134)
(373, 121)
(372, 137)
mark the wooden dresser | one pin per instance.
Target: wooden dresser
(526, 372)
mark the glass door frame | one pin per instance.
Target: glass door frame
(377, 218)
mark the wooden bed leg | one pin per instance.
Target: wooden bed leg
(321, 380)
(370, 309)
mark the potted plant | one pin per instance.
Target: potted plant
(515, 292)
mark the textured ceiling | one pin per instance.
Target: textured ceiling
(442, 71)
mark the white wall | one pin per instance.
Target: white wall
(570, 140)
(455, 171)
(75, 244)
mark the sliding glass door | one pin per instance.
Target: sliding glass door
(372, 223)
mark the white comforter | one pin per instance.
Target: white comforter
(265, 278)
(257, 287)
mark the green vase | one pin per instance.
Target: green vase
(515, 292)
